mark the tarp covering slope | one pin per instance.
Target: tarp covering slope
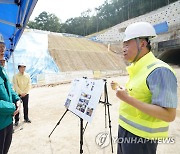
(32, 50)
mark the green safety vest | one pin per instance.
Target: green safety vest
(132, 119)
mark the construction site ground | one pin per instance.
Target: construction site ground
(46, 107)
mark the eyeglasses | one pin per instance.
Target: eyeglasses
(2, 46)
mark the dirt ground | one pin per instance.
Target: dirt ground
(46, 108)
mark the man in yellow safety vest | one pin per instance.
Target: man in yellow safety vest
(149, 100)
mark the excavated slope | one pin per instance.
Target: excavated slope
(77, 54)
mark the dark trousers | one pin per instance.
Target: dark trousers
(25, 101)
(5, 139)
(134, 144)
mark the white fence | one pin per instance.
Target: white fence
(64, 77)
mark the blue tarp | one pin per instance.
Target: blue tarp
(14, 15)
(161, 28)
(32, 50)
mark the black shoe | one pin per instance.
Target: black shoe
(16, 123)
(27, 121)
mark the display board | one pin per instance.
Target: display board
(84, 96)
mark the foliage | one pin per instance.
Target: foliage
(46, 21)
(110, 13)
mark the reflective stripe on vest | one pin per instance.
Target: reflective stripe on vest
(143, 128)
(151, 65)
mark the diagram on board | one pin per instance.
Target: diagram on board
(84, 96)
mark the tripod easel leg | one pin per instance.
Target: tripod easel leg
(105, 114)
(58, 122)
(110, 128)
(81, 135)
(109, 118)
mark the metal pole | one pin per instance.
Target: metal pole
(13, 63)
(109, 118)
(58, 123)
(81, 136)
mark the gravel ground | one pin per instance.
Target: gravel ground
(47, 106)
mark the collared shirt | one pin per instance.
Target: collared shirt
(163, 85)
(22, 83)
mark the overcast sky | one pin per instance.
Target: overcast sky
(65, 9)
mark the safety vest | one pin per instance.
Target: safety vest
(132, 119)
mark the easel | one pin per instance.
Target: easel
(106, 107)
(82, 130)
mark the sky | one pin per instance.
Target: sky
(65, 9)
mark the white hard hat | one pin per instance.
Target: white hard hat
(22, 64)
(1, 38)
(139, 30)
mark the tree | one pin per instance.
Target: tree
(46, 21)
(85, 19)
(32, 24)
(110, 13)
